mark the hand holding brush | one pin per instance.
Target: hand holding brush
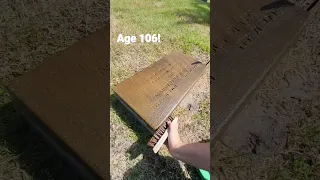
(195, 154)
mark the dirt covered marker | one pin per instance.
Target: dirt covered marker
(66, 100)
(245, 50)
(152, 94)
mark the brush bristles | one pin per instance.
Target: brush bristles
(159, 132)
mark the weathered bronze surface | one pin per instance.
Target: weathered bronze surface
(69, 96)
(154, 93)
(243, 52)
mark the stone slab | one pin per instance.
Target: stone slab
(154, 93)
(239, 63)
(67, 99)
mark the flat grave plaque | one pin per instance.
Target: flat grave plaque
(67, 100)
(244, 55)
(154, 93)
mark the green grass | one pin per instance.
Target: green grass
(183, 24)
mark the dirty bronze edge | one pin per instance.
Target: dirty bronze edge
(142, 122)
(134, 113)
(76, 162)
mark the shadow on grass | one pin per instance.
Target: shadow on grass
(33, 155)
(152, 166)
(199, 13)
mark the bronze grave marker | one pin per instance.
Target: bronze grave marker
(67, 100)
(155, 92)
(245, 48)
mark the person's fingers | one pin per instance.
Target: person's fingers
(173, 124)
(173, 129)
(173, 135)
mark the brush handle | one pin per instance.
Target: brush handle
(160, 142)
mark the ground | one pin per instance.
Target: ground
(276, 135)
(183, 26)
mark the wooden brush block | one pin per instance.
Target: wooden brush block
(67, 99)
(155, 92)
